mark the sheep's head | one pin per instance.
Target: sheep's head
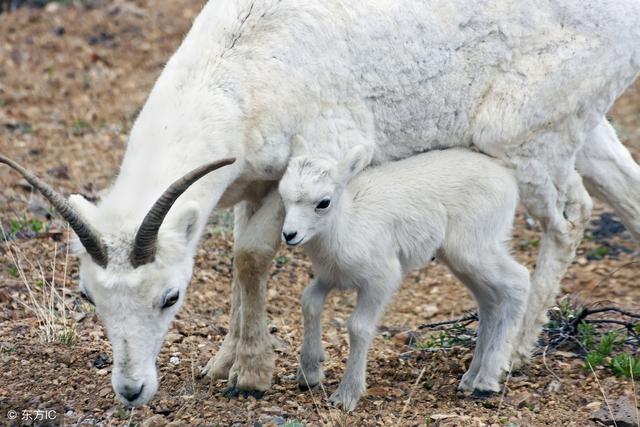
(311, 188)
(136, 279)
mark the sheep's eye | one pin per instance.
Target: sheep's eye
(324, 204)
(86, 297)
(170, 299)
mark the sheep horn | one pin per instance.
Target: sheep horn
(88, 236)
(144, 247)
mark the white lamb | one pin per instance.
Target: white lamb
(366, 233)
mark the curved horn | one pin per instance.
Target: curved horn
(144, 247)
(88, 236)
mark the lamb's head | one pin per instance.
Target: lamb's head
(312, 189)
(136, 279)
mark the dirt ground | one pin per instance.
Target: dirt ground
(72, 79)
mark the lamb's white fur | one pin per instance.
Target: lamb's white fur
(528, 82)
(392, 219)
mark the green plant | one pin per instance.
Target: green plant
(68, 337)
(599, 252)
(608, 342)
(586, 335)
(605, 348)
(456, 335)
(13, 271)
(283, 260)
(24, 224)
(592, 360)
(626, 365)
(80, 127)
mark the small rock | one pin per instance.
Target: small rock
(554, 386)
(102, 361)
(52, 7)
(155, 421)
(38, 208)
(406, 338)
(622, 414)
(60, 172)
(593, 406)
(105, 392)
(174, 360)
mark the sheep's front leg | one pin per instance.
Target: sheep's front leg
(311, 354)
(373, 298)
(255, 248)
(219, 366)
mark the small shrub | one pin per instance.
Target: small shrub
(586, 335)
(626, 365)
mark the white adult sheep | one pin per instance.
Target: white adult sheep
(529, 82)
(368, 232)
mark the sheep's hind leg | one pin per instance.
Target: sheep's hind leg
(553, 193)
(611, 174)
(255, 248)
(373, 298)
(312, 355)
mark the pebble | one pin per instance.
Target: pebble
(174, 360)
(154, 421)
(622, 414)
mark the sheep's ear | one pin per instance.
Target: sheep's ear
(185, 221)
(298, 146)
(356, 159)
(83, 206)
(87, 210)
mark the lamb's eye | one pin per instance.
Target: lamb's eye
(324, 204)
(170, 299)
(86, 297)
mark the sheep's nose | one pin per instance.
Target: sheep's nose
(131, 393)
(289, 236)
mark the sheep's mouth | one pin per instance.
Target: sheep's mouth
(295, 243)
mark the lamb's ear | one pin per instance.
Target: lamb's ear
(356, 159)
(298, 146)
(185, 221)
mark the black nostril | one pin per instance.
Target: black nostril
(289, 236)
(130, 393)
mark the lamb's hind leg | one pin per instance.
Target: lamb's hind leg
(611, 174)
(553, 193)
(500, 286)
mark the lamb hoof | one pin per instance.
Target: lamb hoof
(233, 392)
(347, 399)
(483, 394)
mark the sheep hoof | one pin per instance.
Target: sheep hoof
(307, 386)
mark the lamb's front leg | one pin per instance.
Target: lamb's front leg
(311, 354)
(254, 251)
(373, 298)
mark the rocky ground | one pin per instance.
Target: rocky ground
(72, 79)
